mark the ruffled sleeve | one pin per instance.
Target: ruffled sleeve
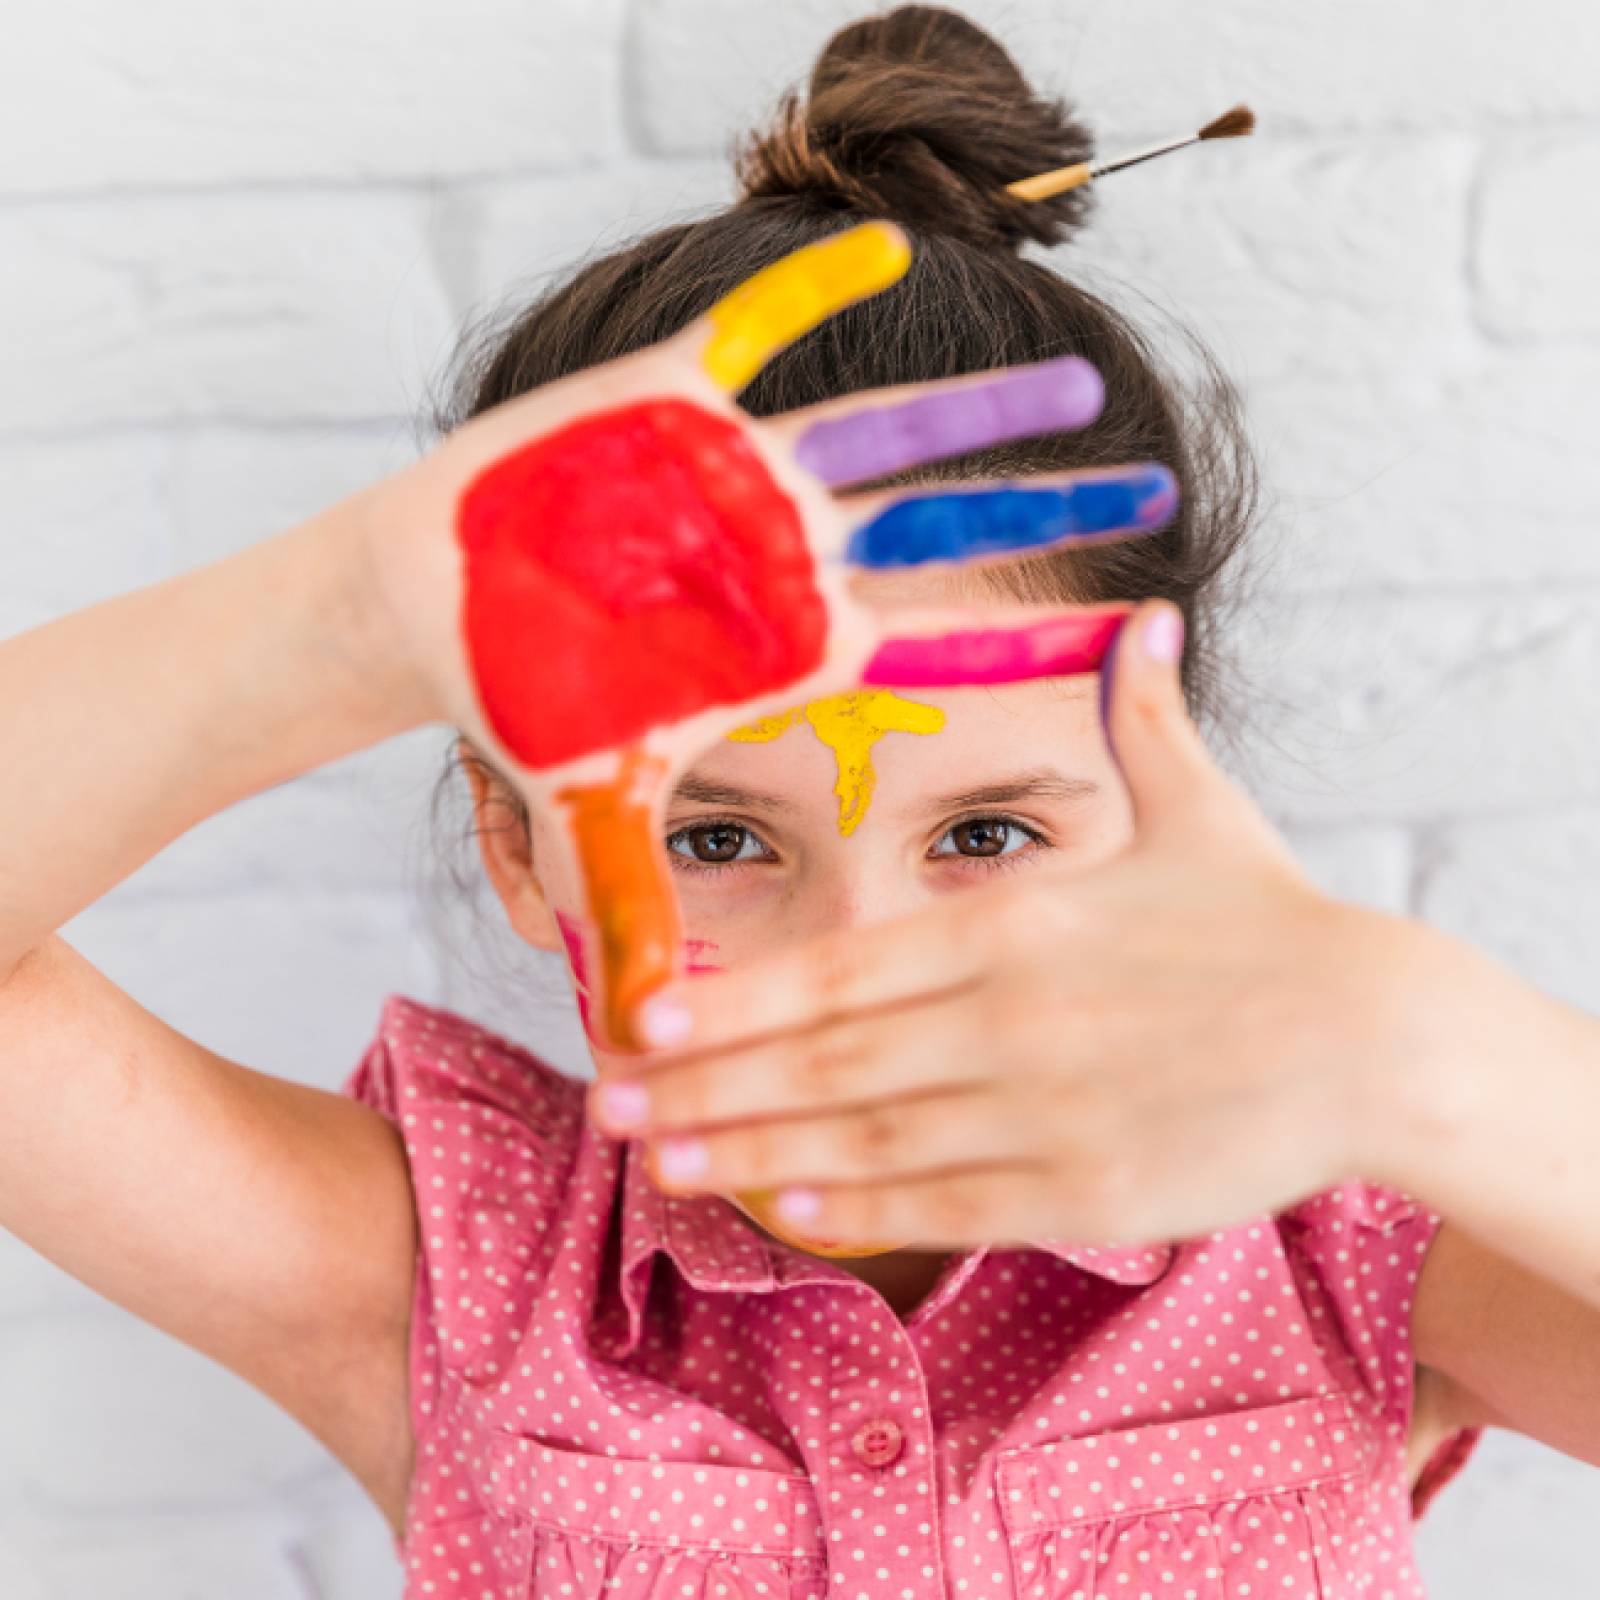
(490, 1134)
(1364, 1244)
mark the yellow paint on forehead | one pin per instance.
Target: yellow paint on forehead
(850, 724)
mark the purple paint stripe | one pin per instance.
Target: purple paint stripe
(1064, 393)
(1056, 648)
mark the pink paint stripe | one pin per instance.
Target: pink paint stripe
(1057, 648)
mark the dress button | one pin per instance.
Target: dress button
(878, 1442)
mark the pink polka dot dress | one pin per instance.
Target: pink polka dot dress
(617, 1392)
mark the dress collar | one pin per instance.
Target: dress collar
(716, 1247)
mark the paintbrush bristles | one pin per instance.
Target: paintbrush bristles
(1234, 124)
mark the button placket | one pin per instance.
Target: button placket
(880, 1501)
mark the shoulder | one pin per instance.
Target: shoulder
(426, 1058)
(1357, 1208)
(492, 1134)
(1365, 1244)
(1358, 1250)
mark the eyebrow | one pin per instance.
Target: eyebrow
(702, 791)
(1043, 783)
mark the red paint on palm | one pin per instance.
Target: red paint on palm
(629, 570)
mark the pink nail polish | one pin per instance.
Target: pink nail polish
(799, 1205)
(1163, 636)
(626, 1105)
(663, 1022)
(681, 1159)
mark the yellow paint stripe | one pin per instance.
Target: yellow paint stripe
(850, 725)
(776, 305)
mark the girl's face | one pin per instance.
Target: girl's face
(788, 836)
(824, 821)
(863, 808)
(855, 810)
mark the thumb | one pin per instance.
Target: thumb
(1168, 771)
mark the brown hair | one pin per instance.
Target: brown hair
(920, 116)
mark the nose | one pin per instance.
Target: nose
(854, 894)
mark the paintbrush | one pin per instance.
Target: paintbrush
(1232, 124)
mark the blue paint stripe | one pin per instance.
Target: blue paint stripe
(956, 527)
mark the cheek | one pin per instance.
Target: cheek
(699, 955)
(703, 955)
(723, 923)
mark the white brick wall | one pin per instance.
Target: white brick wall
(235, 246)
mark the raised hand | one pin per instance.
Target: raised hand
(640, 566)
(1171, 1041)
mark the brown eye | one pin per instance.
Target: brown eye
(712, 844)
(987, 836)
(987, 839)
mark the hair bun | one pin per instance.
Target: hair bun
(920, 116)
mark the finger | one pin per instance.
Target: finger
(908, 527)
(631, 903)
(771, 309)
(934, 649)
(916, 959)
(902, 1139)
(1146, 720)
(984, 1205)
(864, 436)
(854, 1062)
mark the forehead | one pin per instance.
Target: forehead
(980, 731)
(925, 741)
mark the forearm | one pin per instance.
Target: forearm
(1495, 1121)
(126, 724)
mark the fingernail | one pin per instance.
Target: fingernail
(663, 1022)
(799, 1205)
(680, 1159)
(1163, 636)
(625, 1104)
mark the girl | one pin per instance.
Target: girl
(559, 1367)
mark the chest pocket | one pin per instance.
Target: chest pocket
(592, 1526)
(1259, 1502)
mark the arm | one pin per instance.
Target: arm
(266, 1224)
(163, 706)
(1498, 1131)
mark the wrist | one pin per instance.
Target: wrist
(1437, 1043)
(357, 632)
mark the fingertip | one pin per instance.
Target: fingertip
(895, 241)
(1154, 629)
(1089, 381)
(662, 1021)
(1158, 495)
(1161, 634)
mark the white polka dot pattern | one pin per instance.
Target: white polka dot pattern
(620, 1392)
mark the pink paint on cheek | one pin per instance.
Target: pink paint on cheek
(572, 938)
(696, 955)
(696, 951)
